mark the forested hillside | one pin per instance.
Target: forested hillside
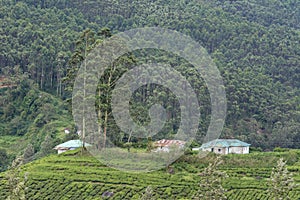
(32, 122)
(255, 45)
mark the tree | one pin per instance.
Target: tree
(46, 146)
(15, 181)
(281, 182)
(60, 61)
(210, 187)
(84, 45)
(28, 153)
(148, 195)
(150, 144)
(3, 159)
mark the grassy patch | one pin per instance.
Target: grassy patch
(12, 144)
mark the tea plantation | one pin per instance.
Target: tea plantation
(73, 175)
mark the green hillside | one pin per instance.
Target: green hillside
(30, 116)
(255, 45)
(76, 176)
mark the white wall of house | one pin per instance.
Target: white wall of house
(220, 150)
(245, 150)
(217, 150)
(162, 149)
(227, 150)
(168, 148)
(196, 149)
(206, 149)
(239, 150)
(59, 151)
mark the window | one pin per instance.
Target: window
(219, 150)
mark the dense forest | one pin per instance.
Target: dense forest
(255, 45)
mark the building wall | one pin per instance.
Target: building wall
(239, 150)
(59, 151)
(162, 149)
(226, 150)
(220, 150)
(246, 150)
(217, 150)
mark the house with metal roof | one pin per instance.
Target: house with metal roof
(165, 145)
(69, 145)
(225, 146)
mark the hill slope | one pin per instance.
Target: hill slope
(76, 176)
(255, 44)
(28, 117)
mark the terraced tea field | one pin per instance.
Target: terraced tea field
(75, 176)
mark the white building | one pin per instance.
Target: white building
(166, 145)
(70, 145)
(225, 146)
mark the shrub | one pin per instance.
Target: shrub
(279, 149)
(256, 149)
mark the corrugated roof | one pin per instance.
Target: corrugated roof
(71, 144)
(163, 143)
(225, 143)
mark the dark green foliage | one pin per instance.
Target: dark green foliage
(255, 46)
(46, 146)
(4, 159)
(28, 153)
(279, 149)
(29, 115)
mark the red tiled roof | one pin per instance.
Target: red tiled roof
(164, 143)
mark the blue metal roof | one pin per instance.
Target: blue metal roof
(72, 144)
(225, 143)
